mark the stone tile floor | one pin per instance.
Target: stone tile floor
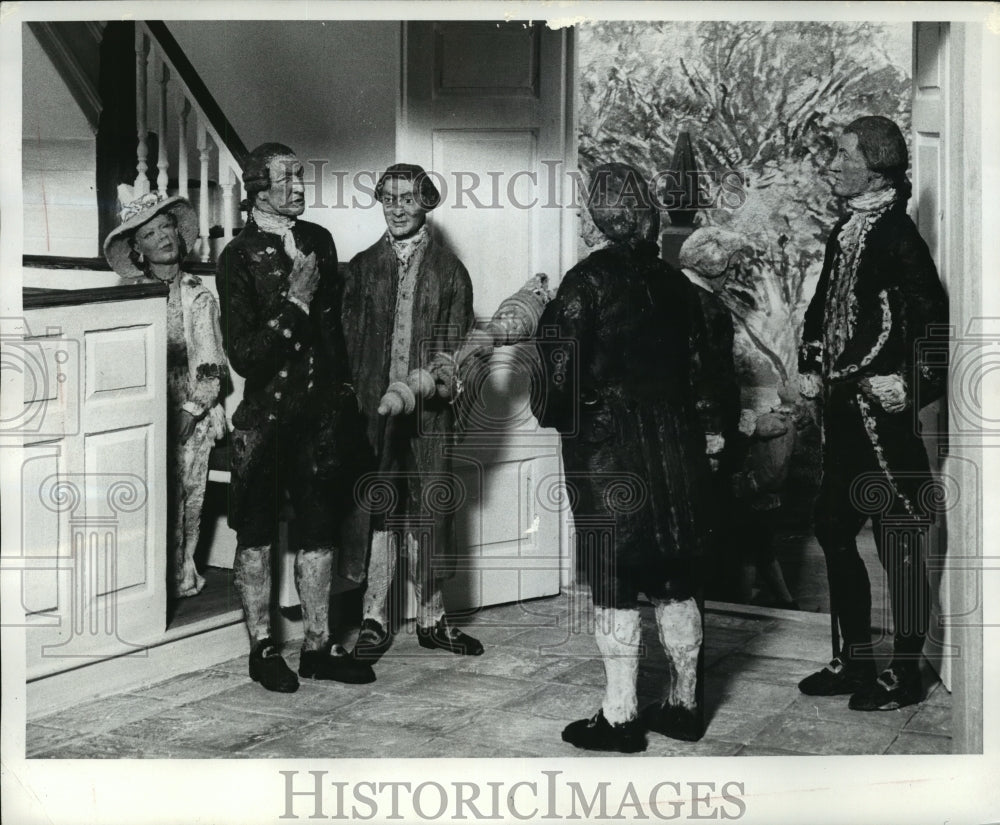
(540, 671)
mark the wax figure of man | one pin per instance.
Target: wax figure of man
(877, 294)
(279, 298)
(617, 386)
(406, 298)
(705, 259)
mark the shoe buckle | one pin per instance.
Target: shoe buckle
(888, 679)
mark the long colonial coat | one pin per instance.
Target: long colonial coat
(295, 365)
(894, 299)
(441, 318)
(615, 349)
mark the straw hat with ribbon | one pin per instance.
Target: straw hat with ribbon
(139, 210)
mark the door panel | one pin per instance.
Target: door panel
(485, 107)
(929, 210)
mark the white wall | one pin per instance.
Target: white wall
(328, 89)
(59, 163)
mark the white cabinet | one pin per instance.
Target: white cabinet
(93, 475)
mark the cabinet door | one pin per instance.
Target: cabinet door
(103, 501)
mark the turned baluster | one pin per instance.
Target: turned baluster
(227, 182)
(182, 148)
(161, 120)
(142, 149)
(203, 216)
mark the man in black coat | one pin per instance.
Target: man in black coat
(615, 353)
(295, 430)
(877, 296)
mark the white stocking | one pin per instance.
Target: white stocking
(430, 603)
(679, 626)
(617, 633)
(313, 575)
(381, 571)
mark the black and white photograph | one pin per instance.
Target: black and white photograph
(407, 404)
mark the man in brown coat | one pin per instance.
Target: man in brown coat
(406, 298)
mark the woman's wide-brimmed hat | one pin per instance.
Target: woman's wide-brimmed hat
(139, 210)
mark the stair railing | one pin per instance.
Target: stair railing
(162, 64)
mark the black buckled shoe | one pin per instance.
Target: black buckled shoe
(675, 722)
(445, 637)
(894, 688)
(598, 734)
(335, 665)
(268, 668)
(373, 641)
(838, 678)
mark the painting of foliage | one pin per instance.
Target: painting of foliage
(762, 99)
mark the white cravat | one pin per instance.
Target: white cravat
(280, 225)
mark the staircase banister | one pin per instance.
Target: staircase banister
(221, 129)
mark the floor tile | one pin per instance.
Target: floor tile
(801, 642)
(756, 750)
(190, 687)
(540, 671)
(39, 738)
(469, 690)
(522, 734)
(238, 665)
(104, 714)
(762, 668)
(335, 740)
(820, 736)
(920, 743)
(938, 695)
(717, 621)
(588, 671)
(739, 694)
(516, 664)
(930, 719)
(835, 709)
(112, 746)
(405, 711)
(663, 746)
(558, 641)
(314, 697)
(738, 725)
(451, 748)
(203, 726)
(557, 701)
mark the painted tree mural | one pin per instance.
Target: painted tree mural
(762, 99)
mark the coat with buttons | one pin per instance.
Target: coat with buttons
(294, 363)
(615, 347)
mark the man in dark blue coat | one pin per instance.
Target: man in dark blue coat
(877, 296)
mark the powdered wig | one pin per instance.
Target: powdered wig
(425, 192)
(620, 204)
(256, 170)
(709, 250)
(884, 149)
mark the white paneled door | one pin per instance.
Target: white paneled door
(486, 108)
